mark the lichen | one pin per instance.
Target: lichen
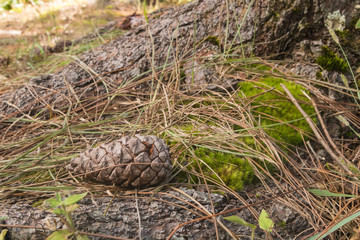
(331, 61)
(276, 114)
(335, 21)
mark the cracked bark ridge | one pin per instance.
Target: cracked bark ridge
(160, 213)
(275, 28)
(139, 162)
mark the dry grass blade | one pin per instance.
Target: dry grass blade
(343, 162)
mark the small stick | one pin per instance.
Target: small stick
(138, 212)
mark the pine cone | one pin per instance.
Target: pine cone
(151, 151)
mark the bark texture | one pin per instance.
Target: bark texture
(159, 213)
(277, 27)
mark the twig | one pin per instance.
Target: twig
(138, 212)
(327, 135)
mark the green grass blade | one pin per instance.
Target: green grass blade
(145, 13)
(336, 227)
(357, 24)
(36, 146)
(327, 193)
(238, 220)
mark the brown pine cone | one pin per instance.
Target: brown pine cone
(150, 151)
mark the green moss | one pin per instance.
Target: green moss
(343, 34)
(282, 224)
(330, 61)
(319, 75)
(233, 170)
(276, 15)
(274, 111)
(213, 40)
(269, 109)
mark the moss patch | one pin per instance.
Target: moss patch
(331, 61)
(213, 40)
(275, 112)
(233, 170)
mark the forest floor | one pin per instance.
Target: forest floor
(37, 40)
(27, 30)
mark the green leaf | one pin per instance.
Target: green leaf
(2, 234)
(53, 203)
(82, 237)
(60, 235)
(238, 220)
(59, 211)
(357, 24)
(327, 193)
(73, 199)
(336, 227)
(265, 223)
(145, 13)
(3, 217)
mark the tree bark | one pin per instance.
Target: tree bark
(276, 27)
(160, 214)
